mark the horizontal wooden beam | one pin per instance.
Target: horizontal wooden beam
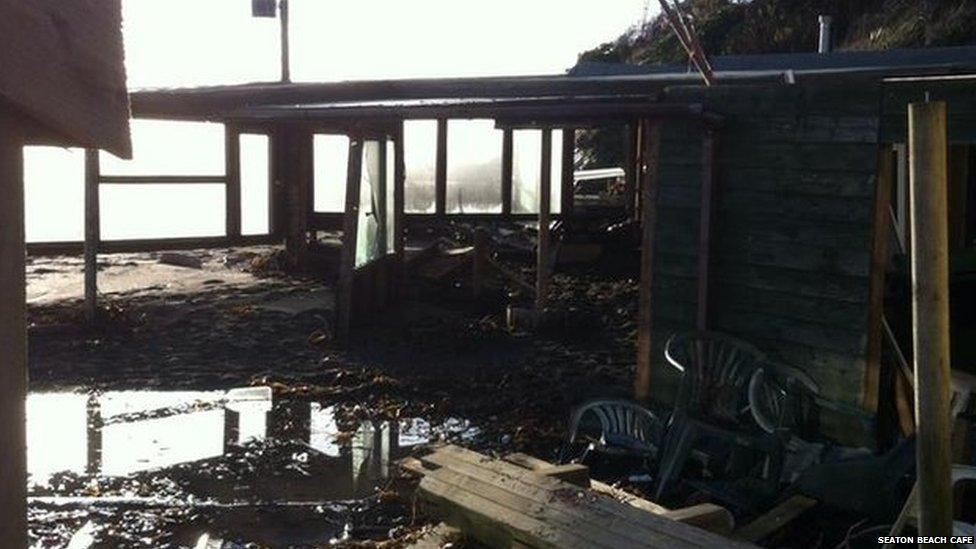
(161, 179)
(147, 245)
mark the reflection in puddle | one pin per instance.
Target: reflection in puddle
(241, 463)
(120, 433)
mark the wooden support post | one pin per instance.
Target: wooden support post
(379, 197)
(479, 262)
(13, 340)
(94, 430)
(545, 207)
(568, 169)
(507, 171)
(632, 168)
(650, 141)
(399, 179)
(930, 283)
(92, 234)
(232, 170)
(440, 174)
(350, 230)
(707, 214)
(876, 280)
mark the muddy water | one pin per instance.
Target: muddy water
(162, 468)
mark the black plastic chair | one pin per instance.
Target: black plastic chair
(625, 428)
(713, 402)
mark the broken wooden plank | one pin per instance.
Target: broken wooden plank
(706, 516)
(775, 518)
(498, 502)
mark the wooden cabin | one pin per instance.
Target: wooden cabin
(778, 195)
(62, 82)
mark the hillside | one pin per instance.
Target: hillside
(784, 26)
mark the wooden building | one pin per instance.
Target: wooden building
(62, 82)
(773, 202)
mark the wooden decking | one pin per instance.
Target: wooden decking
(504, 504)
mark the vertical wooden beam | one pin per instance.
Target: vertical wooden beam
(930, 283)
(440, 174)
(876, 281)
(631, 153)
(92, 233)
(568, 168)
(707, 215)
(399, 180)
(650, 141)
(350, 230)
(545, 207)
(232, 170)
(479, 262)
(13, 339)
(94, 430)
(507, 171)
(399, 184)
(379, 192)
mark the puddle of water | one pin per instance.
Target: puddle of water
(124, 432)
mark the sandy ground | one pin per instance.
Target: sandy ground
(61, 278)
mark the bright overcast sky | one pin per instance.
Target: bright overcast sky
(200, 42)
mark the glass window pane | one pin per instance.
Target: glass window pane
(54, 194)
(368, 228)
(420, 157)
(526, 170)
(170, 148)
(474, 167)
(331, 159)
(162, 211)
(255, 183)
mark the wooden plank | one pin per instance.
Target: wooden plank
(774, 519)
(602, 512)
(542, 273)
(92, 234)
(650, 144)
(566, 195)
(440, 173)
(930, 318)
(507, 159)
(535, 464)
(13, 334)
(162, 179)
(350, 229)
(63, 66)
(706, 516)
(876, 280)
(576, 474)
(232, 188)
(705, 228)
(571, 522)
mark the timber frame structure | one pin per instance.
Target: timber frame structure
(763, 200)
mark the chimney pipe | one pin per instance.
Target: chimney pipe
(823, 45)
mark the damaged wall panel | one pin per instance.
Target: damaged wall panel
(791, 239)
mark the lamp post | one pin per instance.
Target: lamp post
(271, 8)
